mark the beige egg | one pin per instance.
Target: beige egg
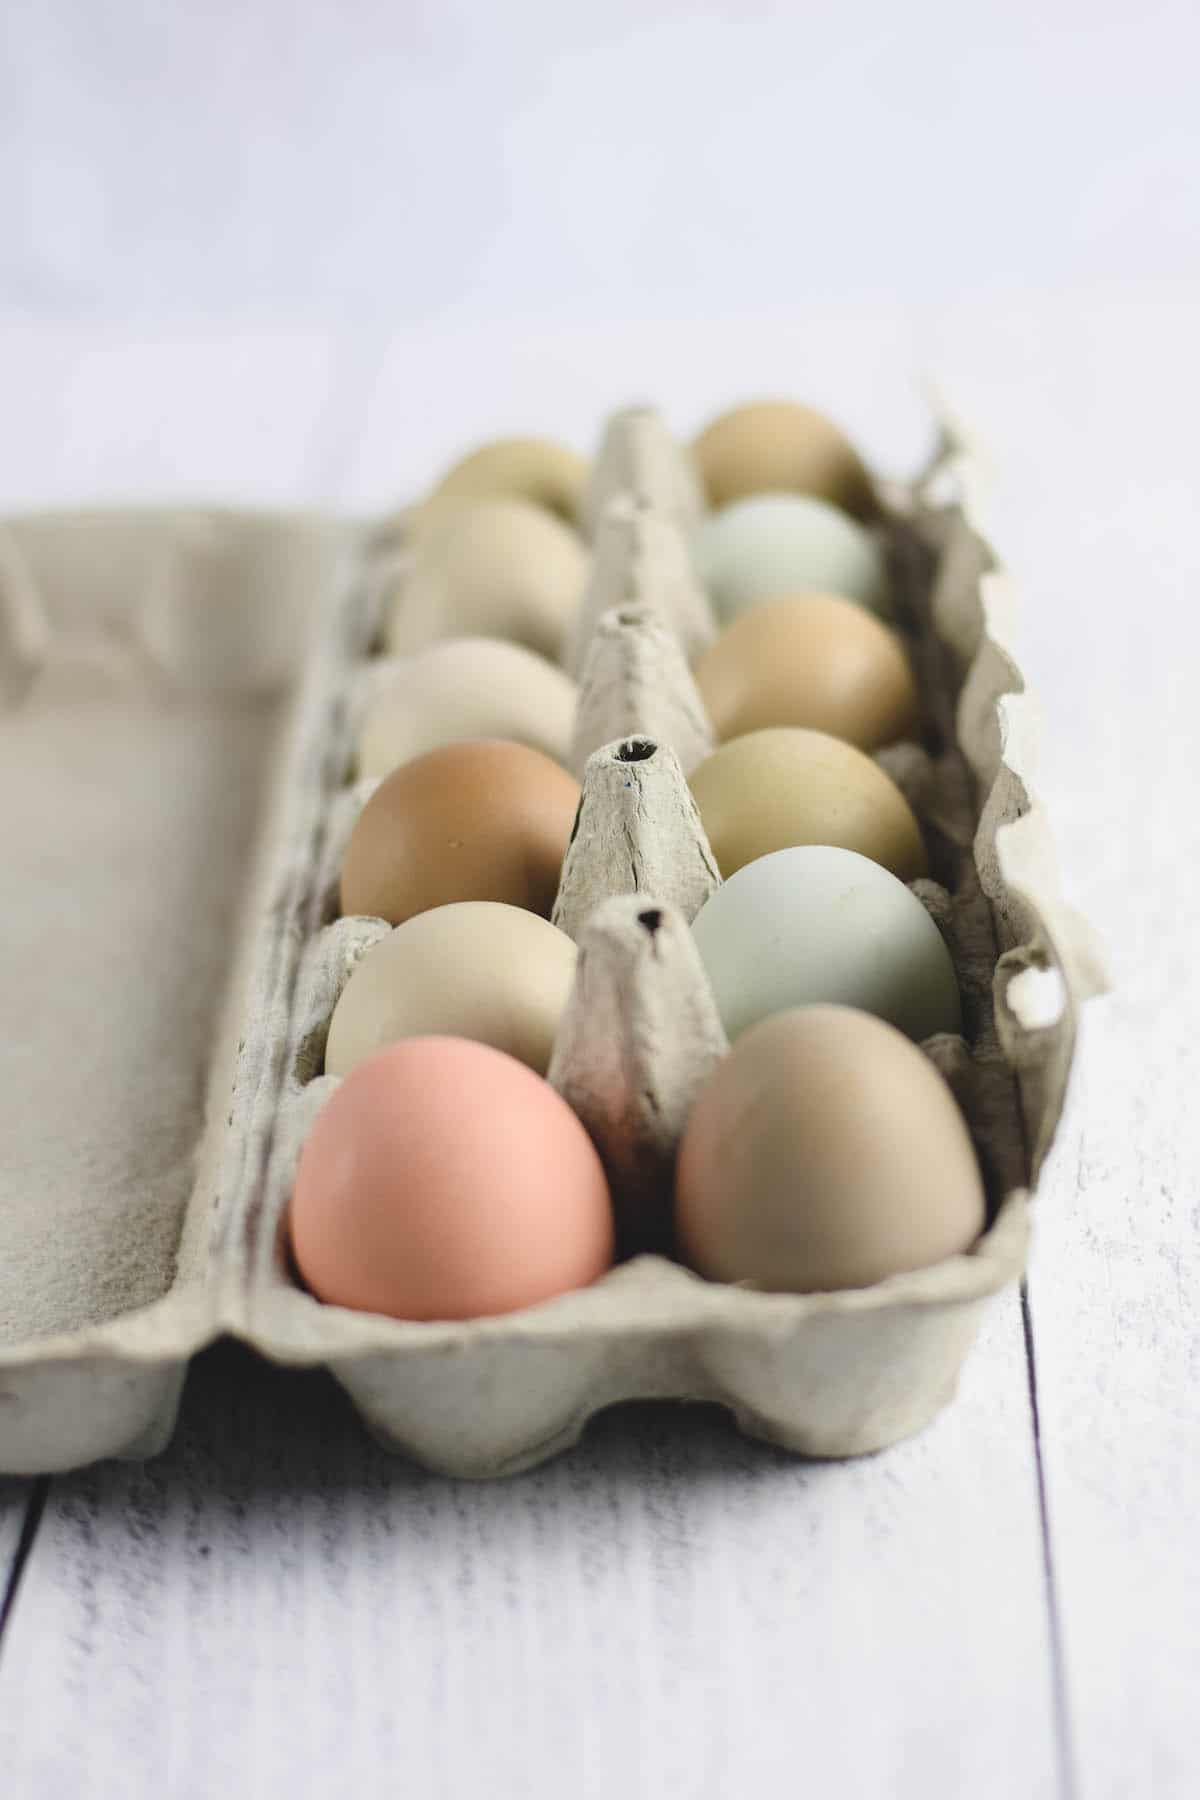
(501, 569)
(467, 688)
(548, 474)
(824, 1152)
(477, 969)
(814, 660)
(772, 789)
(779, 447)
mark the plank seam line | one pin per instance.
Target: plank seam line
(29, 1531)
(1058, 1675)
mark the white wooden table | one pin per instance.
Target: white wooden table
(1007, 1606)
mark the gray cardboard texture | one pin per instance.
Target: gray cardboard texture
(181, 692)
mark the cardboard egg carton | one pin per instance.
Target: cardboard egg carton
(181, 692)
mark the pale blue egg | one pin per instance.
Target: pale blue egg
(816, 924)
(771, 545)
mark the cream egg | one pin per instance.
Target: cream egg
(813, 660)
(778, 446)
(498, 568)
(772, 789)
(477, 821)
(776, 544)
(445, 1180)
(467, 688)
(817, 924)
(824, 1152)
(476, 969)
(549, 475)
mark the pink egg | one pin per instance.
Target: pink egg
(445, 1180)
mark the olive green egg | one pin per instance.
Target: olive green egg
(824, 1152)
(772, 789)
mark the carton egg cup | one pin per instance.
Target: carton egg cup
(151, 629)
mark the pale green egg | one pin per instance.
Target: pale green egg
(773, 545)
(817, 924)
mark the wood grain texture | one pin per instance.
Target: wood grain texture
(277, 1608)
(1109, 577)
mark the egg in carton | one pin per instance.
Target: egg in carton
(827, 1374)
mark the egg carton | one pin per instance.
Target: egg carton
(181, 692)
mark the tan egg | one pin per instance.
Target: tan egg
(501, 568)
(813, 660)
(780, 447)
(772, 789)
(548, 474)
(477, 821)
(477, 969)
(824, 1152)
(467, 688)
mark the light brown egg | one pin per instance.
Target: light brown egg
(780, 447)
(824, 1152)
(772, 789)
(548, 474)
(812, 660)
(477, 821)
(476, 969)
(498, 569)
(445, 1180)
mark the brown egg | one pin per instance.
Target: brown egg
(779, 447)
(813, 660)
(483, 820)
(445, 1180)
(518, 468)
(824, 1152)
(772, 789)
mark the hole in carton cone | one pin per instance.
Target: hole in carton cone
(636, 750)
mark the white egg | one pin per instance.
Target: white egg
(474, 969)
(467, 688)
(773, 545)
(491, 568)
(816, 924)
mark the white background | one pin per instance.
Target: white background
(262, 251)
(453, 160)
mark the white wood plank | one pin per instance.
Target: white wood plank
(277, 1608)
(1111, 573)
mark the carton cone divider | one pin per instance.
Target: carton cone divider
(641, 558)
(636, 680)
(639, 456)
(637, 831)
(639, 1037)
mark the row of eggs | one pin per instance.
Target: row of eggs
(461, 851)
(825, 1151)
